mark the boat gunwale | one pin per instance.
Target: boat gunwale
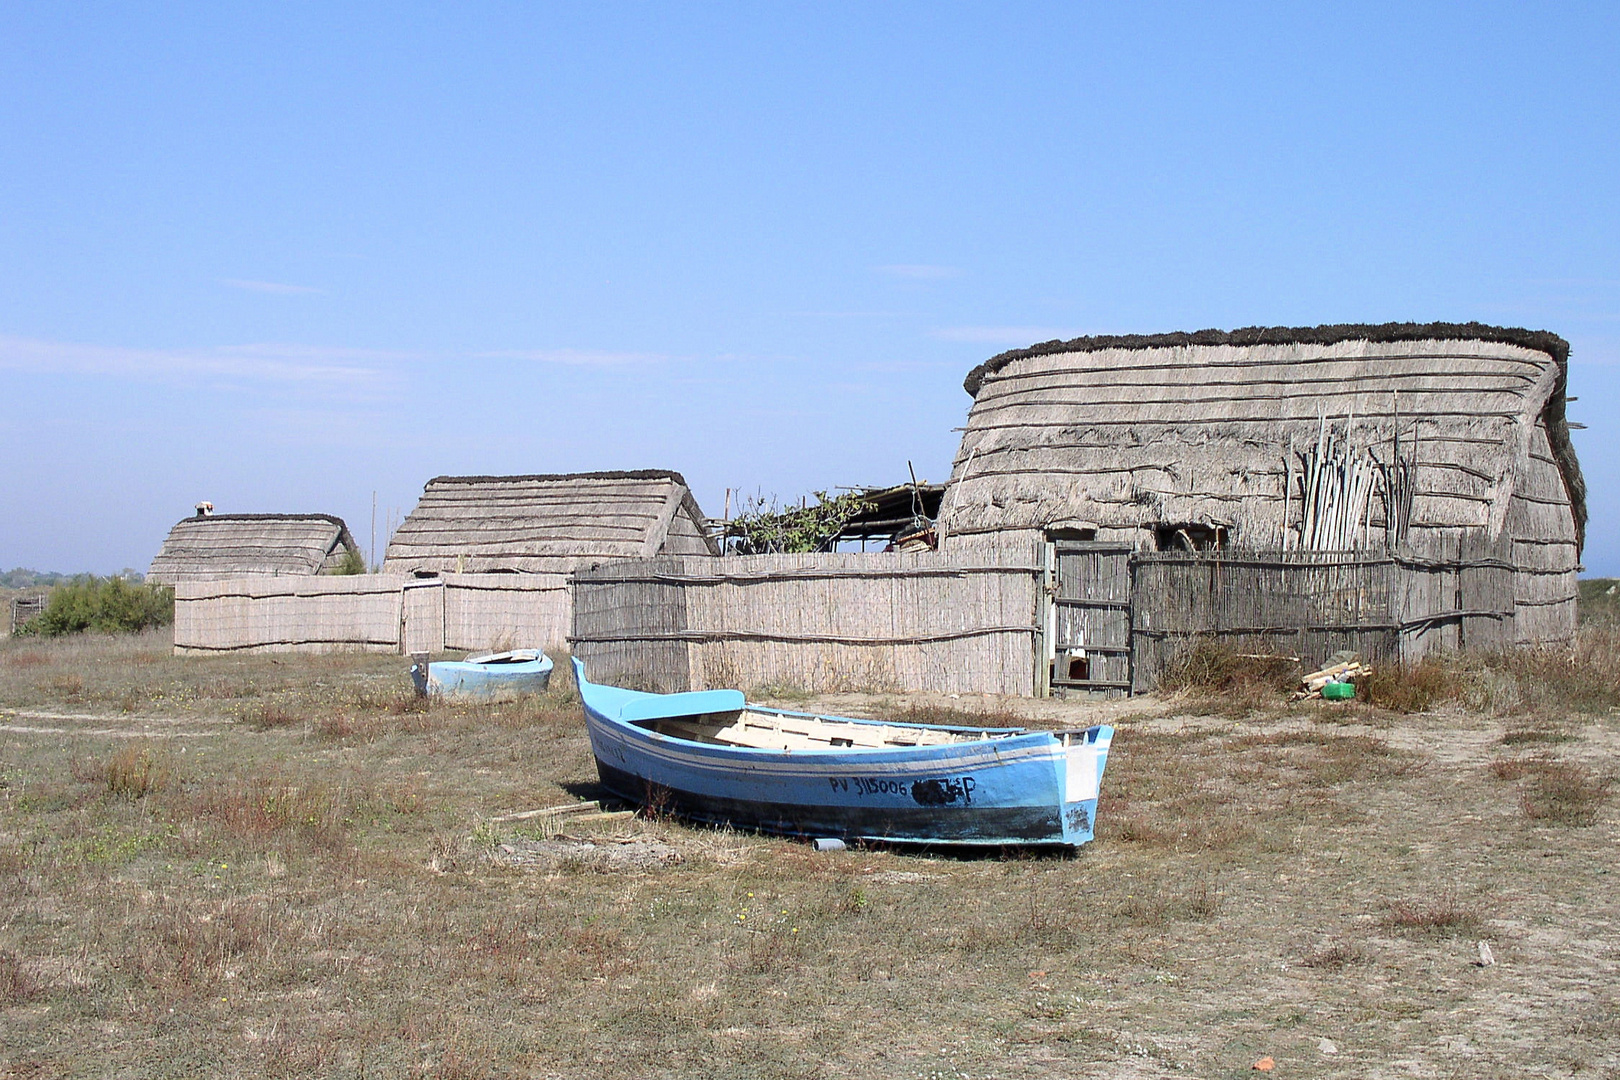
(1016, 742)
(518, 658)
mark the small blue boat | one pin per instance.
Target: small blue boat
(491, 675)
(711, 756)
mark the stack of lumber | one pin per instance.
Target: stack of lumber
(1348, 671)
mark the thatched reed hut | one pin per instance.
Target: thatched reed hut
(1437, 445)
(546, 523)
(214, 547)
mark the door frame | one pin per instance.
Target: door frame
(1051, 600)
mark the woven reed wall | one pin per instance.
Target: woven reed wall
(962, 622)
(1545, 549)
(289, 614)
(629, 618)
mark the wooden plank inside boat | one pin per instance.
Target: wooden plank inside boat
(783, 731)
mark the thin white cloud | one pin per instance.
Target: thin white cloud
(273, 287)
(1001, 335)
(919, 271)
(576, 357)
(264, 362)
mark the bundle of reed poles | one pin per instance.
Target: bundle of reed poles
(1399, 484)
(1338, 487)
(1398, 492)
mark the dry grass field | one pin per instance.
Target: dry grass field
(284, 866)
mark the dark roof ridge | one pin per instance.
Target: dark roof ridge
(1332, 334)
(630, 474)
(328, 518)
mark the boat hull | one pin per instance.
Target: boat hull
(471, 680)
(1034, 788)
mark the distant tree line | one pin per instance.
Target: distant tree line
(21, 578)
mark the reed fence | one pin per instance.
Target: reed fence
(373, 612)
(23, 610)
(1312, 604)
(289, 614)
(972, 619)
(956, 622)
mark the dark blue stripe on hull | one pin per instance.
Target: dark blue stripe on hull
(986, 825)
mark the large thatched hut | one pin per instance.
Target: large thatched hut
(1441, 448)
(546, 523)
(213, 547)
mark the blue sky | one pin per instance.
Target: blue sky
(282, 256)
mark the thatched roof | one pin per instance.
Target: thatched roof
(217, 546)
(1115, 433)
(549, 522)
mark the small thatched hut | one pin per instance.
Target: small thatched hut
(1434, 441)
(212, 547)
(546, 523)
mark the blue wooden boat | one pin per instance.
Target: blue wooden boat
(711, 756)
(490, 675)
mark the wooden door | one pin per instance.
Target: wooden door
(422, 615)
(1088, 628)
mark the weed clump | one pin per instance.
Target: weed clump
(1560, 680)
(1444, 915)
(268, 809)
(1229, 679)
(185, 951)
(1415, 688)
(1562, 793)
(1335, 956)
(17, 986)
(1556, 792)
(271, 717)
(780, 692)
(1520, 735)
(134, 772)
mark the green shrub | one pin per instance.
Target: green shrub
(106, 605)
(763, 528)
(353, 563)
